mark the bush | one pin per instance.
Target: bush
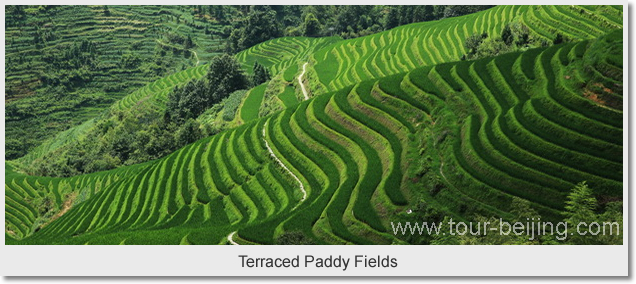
(231, 104)
(294, 238)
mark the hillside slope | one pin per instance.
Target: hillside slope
(66, 64)
(524, 125)
(336, 63)
(407, 47)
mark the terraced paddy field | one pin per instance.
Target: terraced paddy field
(338, 167)
(52, 85)
(253, 100)
(404, 48)
(338, 63)
(129, 28)
(283, 54)
(152, 97)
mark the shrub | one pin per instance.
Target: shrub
(231, 104)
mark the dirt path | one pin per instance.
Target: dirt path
(230, 238)
(300, 80)
(271, 153)
(197, 56)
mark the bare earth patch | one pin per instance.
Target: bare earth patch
(67, 205)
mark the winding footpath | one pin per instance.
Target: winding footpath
(271, 153)
(300, 80)
(230, 238)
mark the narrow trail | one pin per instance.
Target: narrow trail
(197, 56)
(230, 238)
(300, 80)
(271, 153)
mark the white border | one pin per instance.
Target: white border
(412, 260)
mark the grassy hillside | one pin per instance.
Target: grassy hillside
(424, 44)
(129, 28)
(66, 64)
(282, 55)
(152, 98)
(149, 99)
(336, 63)
(336, 168)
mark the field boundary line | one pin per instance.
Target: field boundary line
(300, 80)
(271, 153)
(230, 238)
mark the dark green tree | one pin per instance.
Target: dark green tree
(226, 76)
(473, 42)
(261, 75)
(392, 18)
(580, 207)
(558, 39)
(311, 25)
(260, 25)
(294, 238)
(460, 10)
(188, 133)
(506, 35)
(188, 102)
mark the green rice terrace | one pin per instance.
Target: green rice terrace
(67, 64)
(347, 136)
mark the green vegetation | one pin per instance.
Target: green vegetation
(188, 102)
(249, 110)
(67, 64)
(354, 151)
(431, 43)
(514, 112)
(232, 103)
(288, 97)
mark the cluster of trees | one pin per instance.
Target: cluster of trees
(259, 25)
(192, 99)
(256, 24)
(127, 138)
(178, 39)
(261, 75)
(402, 15)
(71, 67)
(581, 206)
(514, 37)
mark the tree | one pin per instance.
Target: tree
(261, 75)
(188, 102)
(472, 42)
(422, 13)
(392, 18)
(506, 35)
(294, 238)
(580, 207)
(188, 133)
(188, 43)
(311, 25)
(558, 39)
(260, 25)
(225, 73)
(460, 10)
